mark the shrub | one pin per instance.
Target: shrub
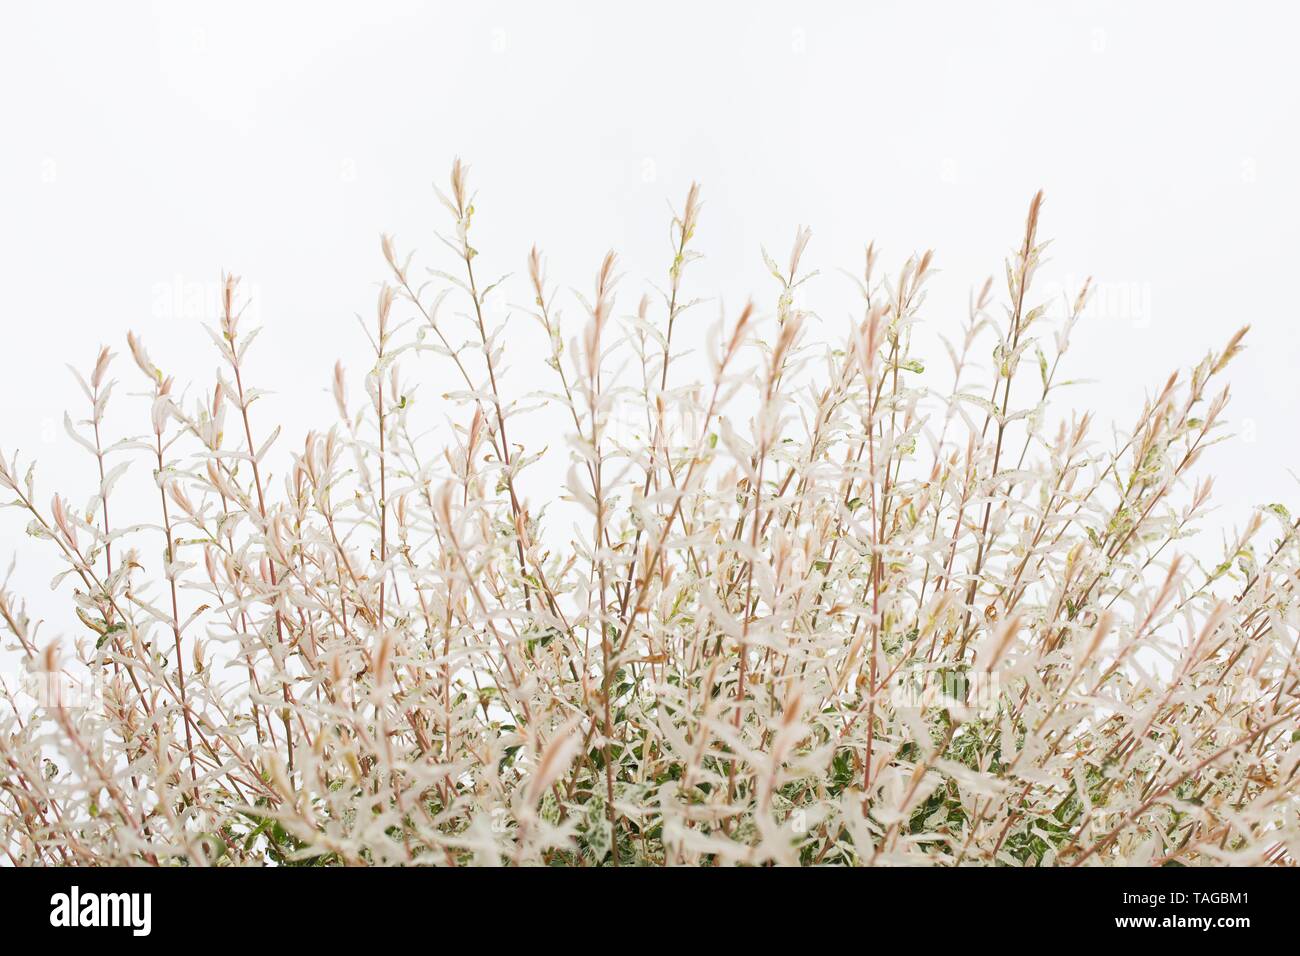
(815, 609)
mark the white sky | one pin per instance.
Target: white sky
(149, 146)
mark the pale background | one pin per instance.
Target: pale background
(147, 147)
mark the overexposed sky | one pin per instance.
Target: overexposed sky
(147, 147)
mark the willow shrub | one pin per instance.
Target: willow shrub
(815, 608)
